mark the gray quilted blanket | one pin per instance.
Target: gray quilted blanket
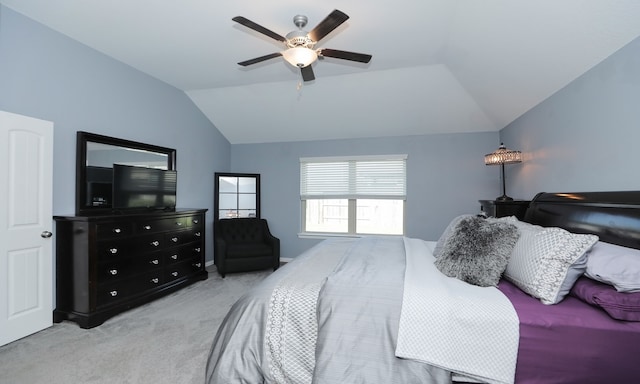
(329, 317)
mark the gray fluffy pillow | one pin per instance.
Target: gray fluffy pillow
(448, 232)
(478, 251)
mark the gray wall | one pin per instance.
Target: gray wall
(46, 75)
(586, 136)
(446, 176)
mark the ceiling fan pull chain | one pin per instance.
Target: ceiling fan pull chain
(300, 85)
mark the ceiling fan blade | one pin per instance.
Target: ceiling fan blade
(259, 59)
(346, 55)
(327, 25)
(307, 73)
(256, 27)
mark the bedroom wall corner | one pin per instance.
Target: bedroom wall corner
(585, 136)
(47, 75)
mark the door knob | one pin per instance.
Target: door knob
(46, 234)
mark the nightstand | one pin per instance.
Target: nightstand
(496, 208)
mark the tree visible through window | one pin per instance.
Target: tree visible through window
(353, 195)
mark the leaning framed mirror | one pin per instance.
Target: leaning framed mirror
(236, 195)
(95, 156)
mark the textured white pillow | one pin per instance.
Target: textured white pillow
(615, 265)
(546, 262)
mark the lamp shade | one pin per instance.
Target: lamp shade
(299, 56)
(502, 155)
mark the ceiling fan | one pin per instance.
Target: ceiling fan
(300, 44)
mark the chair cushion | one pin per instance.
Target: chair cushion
(238, 250)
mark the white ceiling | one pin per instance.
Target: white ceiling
(438, 65)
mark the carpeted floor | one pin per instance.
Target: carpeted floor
(165, 341)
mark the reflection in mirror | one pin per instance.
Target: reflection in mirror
(96, 155)
(105, 155)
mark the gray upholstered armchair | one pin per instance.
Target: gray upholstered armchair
(245, 244)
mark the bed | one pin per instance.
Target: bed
(376, 310)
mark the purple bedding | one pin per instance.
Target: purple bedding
(572, 342)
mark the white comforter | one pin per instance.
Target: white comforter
(468, 330)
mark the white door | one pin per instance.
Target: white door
(26, 287)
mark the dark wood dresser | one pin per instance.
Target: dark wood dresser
(497, 208)
(106, 264)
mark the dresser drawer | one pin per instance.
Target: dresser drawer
(183, 269)
(147, 281)
(194, 221)
(115, 249)
(176, 238)
(152, 243)
(173, 239)
(119, 230)
(178, 254)
(112, 293)
(109, 272)
(115, 270)
(161, 225)
(151, 261)
(197, 235)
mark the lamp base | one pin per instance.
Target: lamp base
(504, 198)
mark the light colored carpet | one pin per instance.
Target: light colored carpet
(165, 341)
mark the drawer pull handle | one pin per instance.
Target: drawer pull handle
(117, 230)
(113, 272)
(196, 221)
(174, 274)
(155, 243)
(197, 265)
(155, 280)
(174, 257)
(178, 223)
(113, 293)
(147, 227)
(155, 262)
(174, 239)
(113, 250)
(197, 249)
(198, 234)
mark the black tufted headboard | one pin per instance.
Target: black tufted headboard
(613, 216)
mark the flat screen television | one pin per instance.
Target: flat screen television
(141, 187)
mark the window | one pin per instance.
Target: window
(353, 195)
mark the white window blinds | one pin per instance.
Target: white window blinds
(370, 177)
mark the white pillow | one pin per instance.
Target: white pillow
(546, 262)
(514, 220)
(615, 265)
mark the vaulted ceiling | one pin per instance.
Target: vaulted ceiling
(438, 65)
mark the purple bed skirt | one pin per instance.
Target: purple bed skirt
(572, 342)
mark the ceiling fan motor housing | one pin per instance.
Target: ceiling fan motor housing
(299, 39)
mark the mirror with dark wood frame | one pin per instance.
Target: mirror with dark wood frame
(236, 195)
(95, 156)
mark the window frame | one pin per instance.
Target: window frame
(351, 197)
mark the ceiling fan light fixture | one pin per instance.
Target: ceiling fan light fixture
(299, 56)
